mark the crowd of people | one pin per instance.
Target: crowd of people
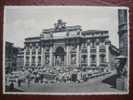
(51, 75)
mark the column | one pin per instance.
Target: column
(30, 57)
(77, 55)
(51, 55)
(67, 57)
(36, 57)
(24, 56)
(64, 60)
(107, 44)
(42, 56)
(53, 60)
(88, 54)
(107, 53)
(97, 54)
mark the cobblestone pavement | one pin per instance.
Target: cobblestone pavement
(92, 85)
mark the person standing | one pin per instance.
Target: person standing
(12, 86)
(19, 82)
(79, 76)
(28, 82)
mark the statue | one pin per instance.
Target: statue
(60, 25)
(121, 78)
(121, 70)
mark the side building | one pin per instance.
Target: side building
(10, 57)
(123, 31)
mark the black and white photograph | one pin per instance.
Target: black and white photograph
(66, 50)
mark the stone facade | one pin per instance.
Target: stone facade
(20, 59)
(68, 46)
(123, 32)
(10, 57)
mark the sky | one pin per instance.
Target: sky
(21, 22)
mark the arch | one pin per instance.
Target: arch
(59, 51)
(59, 56)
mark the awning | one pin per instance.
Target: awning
(121, 57)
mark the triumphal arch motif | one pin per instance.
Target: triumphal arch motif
(69, 46)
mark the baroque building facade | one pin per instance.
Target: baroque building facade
(69, 46)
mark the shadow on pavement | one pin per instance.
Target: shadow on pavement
(8, 89)
(111, 81)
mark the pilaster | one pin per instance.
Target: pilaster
(77, 55)
(42, 56)
(36, 57)
(51, 55)
(88, 53)
(24, 57)
(67, 57)
(30, 57)
(97, 52)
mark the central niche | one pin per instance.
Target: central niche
(59, 56)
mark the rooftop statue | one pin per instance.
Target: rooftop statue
(60, 25)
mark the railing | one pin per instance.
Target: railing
(102, 50)
(84, 50)
(103, 64)
(84, 64)
(93, 64)
(93, 50)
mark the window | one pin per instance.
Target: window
(39, 59)
(33, 51)
(33, 59)
(27, 59)
(93, 44)
(84, 59)
(102, 58)
(39, 51)
(93, 58)
(102, 48)
(84, 48)
(27, 51)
